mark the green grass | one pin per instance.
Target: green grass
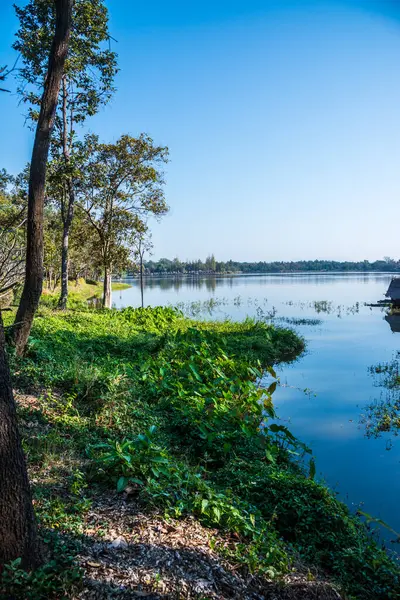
(118, 285)
(79, 293)
(172, 406)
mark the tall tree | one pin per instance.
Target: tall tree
(84, 258)
(52, 247)
(142, 245)
(123, 185)
(37, 175)
(17, 522)
(210, 263)
(87, 83)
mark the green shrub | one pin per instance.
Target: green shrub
(58, 578)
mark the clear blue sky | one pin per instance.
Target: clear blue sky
(282, 119)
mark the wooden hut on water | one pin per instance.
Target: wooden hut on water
(394, 322)
(393, 292)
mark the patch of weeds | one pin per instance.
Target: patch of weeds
(299, 321)
(181, 490)
(383, 415)
(320, 527)
(61, 513)
(58, 578)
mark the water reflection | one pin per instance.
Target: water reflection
(176, 283)
(212, 282)
(394, 322)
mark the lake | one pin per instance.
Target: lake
(322, 396)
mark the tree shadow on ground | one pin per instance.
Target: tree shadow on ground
(128, 550)
(167, 571)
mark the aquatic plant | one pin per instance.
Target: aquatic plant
(299, 321)
(383, 415)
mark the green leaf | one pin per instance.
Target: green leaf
(195, 372)
(371, 519)
(281, 429)
(159, 459)
(269, 456)
(134, 480)
(217, 513)
(122, 483)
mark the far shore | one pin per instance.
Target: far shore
(253, 274)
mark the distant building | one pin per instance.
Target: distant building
(393, 292)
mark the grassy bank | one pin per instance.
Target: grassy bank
(146, 412)
(79, 292)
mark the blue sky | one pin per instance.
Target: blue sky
(282, 119)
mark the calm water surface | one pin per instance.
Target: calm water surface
(334, 371)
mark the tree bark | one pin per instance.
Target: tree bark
(37, 178)
(107, 287)
(17, 521)
(64, 270)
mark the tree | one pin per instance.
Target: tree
(123, 185)
(4, 73)
(12, 234)
(51, 247)
(210, 263)
(37, 176)
(87, 83)
(142, 244)
(85, 261)
(17, 522)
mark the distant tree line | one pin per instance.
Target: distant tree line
(165, 266)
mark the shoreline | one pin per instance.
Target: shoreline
(255, 274)
(151, 411)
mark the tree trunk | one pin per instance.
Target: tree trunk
(62, 303)
(64, 253)
(17, 521)
(37, 178)
(141, 281)
(107, 287)
(67, 212)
